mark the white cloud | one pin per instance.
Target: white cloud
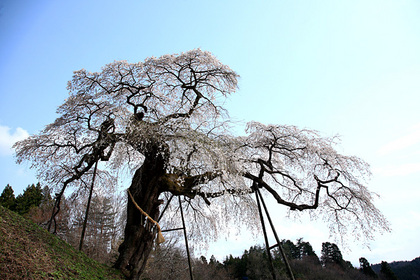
(403, 142)
(8, 138)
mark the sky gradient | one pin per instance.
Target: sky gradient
(350, 68)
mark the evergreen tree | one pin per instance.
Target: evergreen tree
(257, 263)
(305, 249)
(236, 267)
(213, 260)
(331, 254)
(290, 249)
(7, 198)
(366, 269)
(203, 260)
(31, 197)
(41, 214)
(387, 272)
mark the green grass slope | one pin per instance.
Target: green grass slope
(29, 252)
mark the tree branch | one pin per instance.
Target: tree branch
(260, 183)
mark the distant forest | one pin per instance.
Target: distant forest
(404, 270)
(169, 261)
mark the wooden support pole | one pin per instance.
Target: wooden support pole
(267, 245)
(82, 237)
(164, 209)
(186, 239)
(286, 262)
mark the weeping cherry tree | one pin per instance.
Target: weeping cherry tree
(163, 120)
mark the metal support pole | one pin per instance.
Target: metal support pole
(186, 239)
(273, 273)
(288, 268)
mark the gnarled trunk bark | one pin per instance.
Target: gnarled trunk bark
(140, 234)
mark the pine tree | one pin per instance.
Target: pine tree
(387, 271)
(366, 269)
(331, 254)
(7, 198)
(290, 249)
(305, 249)
(31, 197)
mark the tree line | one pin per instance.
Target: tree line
(305, 263)
(103, 236)
(168, 260)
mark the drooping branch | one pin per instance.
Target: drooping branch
(258, 182)
(292, 162)
(105, 140)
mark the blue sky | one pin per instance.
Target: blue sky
(341, 67)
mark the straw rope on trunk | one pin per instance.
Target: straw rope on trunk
(160, 239)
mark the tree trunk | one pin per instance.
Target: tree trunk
(140, 234)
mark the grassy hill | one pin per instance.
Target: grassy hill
(30, 252)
